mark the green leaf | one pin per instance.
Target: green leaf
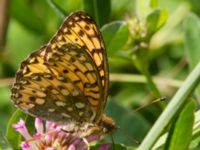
(196, 131)
(12, 135)
(191, 44)
(181, 132)
(170, 32)
(20, 10)
(98, 9)
(156, 20)
(25, 43)
(131, 125)
(69, 6)
(121, 6)
(4, 144)
(154, 3)
(115, 35)
(192, 38)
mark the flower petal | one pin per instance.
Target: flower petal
(25, 146)
(21, 128)
(39, 125)
(105, 147)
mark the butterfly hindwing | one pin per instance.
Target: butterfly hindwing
(76, 65)
(65, 88)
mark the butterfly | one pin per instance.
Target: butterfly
(66, 80)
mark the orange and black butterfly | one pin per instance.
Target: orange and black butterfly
(67, 79)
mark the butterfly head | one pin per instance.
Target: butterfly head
(107, 124)
(104, 126)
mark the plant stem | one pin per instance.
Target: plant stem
(177, 101)
(135, 78)
(151, 83)
(142, 66)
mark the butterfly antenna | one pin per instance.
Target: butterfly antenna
(152, 102)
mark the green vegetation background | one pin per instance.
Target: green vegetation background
(152, 46)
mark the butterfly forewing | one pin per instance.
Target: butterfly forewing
(80, 29)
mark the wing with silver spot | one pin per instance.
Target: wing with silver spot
(81, 30)
(65, 86)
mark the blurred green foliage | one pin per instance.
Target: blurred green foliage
(150, 38)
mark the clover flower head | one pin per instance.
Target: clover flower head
(52, 137)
